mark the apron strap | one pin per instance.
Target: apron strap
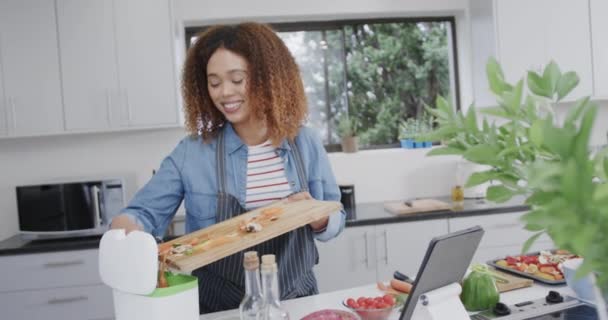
(220, 163)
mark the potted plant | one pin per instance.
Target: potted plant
(347, 130)
(532, 152)
(413, 131)
(407, 133)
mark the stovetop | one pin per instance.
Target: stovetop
(553, 306)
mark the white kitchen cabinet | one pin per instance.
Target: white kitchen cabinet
(348, 260)
(89, 66)
(57, 285)
(599, 25)
(531, 33)
(504, 235)
(147, 77)
(362, 255)
(30, 67)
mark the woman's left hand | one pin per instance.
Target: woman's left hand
(315, 225)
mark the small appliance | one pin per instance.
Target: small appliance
(66, 209)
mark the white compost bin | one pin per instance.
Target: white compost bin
(129, 265)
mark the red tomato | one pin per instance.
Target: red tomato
(355, 306)
(388, 299)
(350, 302)
(369, 301)
(381, 305)
(360, 300)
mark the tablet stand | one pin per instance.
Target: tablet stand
(441, 304)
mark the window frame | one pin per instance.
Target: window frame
(296, 26)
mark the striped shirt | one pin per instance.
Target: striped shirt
(266, 179)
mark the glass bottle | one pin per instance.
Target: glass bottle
(270, 286)
(252, 306)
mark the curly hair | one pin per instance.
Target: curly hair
(274, 87)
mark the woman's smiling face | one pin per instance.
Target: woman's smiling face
(227, 75)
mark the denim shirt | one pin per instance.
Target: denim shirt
(189, 173)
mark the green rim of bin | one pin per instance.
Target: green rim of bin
(177, 283)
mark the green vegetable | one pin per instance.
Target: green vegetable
(479, 291)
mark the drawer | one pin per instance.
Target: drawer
(87, 302)
(500, 229)
(49, 270)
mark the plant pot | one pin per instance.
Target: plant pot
(350, 144)
(407, 144)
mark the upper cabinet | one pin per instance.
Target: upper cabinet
(86, 66)
(30, 68)
(148, 83)
(599, 25)
(89, 69)
(531, 33)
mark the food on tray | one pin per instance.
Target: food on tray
(257, 223)
(545, 265)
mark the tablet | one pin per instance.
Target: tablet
(445, 262)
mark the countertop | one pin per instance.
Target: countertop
(298, 308)
(363, 215)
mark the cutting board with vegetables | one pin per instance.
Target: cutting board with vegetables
(414, 206)
(205, 246)
(506, 282)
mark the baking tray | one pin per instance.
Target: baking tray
(524, 274)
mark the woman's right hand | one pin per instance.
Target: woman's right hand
(124, 222)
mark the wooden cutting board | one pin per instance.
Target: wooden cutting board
(513, 282)
(294, 215)
(418, 205)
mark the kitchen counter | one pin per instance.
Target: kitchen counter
(374, 213)
(301, 307)
(363, 215)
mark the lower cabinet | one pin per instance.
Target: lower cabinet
(366, 254)
(57, 285)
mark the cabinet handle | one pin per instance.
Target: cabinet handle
(386, 247)
(62, 264)
(109, 106)
(127, 105)
(366, 253)
(67, 300)
(11, 104)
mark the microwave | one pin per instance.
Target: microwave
(76, 208)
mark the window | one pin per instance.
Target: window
(378, 73)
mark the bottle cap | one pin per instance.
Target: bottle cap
(251, 260)
(269, 262)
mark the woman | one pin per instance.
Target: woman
(245, 105)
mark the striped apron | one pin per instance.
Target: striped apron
(222, 283)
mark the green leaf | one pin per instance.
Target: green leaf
(535, 133)
(471, 120)
(443, 105)
(483, 154)
(512, 99)
(566, 83)
(601, 192)
(495, 111)
(530, 241)
(499, 194)
(569, 181)
(496, 78)
(540, 198)
(551, 75)
(444, 151)
(537, 85)
(575, 112)
(533, 227)
(478, 178)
